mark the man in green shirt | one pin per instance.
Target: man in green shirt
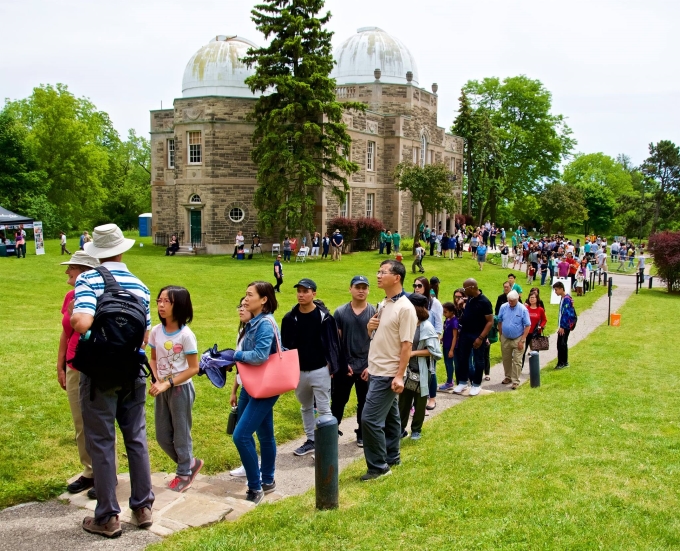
(515, 286)
(514, 243)
(396, 240)
(383, 240)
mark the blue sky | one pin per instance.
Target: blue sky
(610, 65)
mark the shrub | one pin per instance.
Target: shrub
(665, 248)
(367, 232)
(347, 227)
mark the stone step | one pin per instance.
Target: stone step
(209, 500)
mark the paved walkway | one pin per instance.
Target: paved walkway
(55, 525)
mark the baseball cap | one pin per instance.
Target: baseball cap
(306, 283)
(359, 279)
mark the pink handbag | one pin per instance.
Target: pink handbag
(279, 374)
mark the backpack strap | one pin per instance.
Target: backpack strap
(110, 283)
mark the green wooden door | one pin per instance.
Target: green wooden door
(195, 222)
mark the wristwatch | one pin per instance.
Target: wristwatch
(172, 383)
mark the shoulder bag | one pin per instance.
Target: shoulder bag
(539, 342)
(280, 373)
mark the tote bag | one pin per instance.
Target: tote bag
(279, 374)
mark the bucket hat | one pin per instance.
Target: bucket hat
(80, 258)
(107, 241)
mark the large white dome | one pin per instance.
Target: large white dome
(372, 48)
(217, 70)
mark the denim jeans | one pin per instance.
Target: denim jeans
(256, 415)
(465, 350)
(450, 367)
(286, 255)
(381, 425)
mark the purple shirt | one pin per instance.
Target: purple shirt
(450, 325)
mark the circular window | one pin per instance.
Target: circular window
(236, 214)
(195, 198)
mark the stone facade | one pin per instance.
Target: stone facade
(209, 198)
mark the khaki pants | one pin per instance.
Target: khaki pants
(73, 393)
(512, 358)
(337, 252)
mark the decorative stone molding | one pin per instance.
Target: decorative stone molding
(193, 113)
(372, 127)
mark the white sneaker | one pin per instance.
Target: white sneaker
(241, 471)
(459, 388)
(475, 390)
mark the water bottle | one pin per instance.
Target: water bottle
(86, 336)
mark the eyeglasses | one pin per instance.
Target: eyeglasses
(384, 273)
(163, 301)
(417, 285)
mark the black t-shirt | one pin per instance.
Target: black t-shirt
(355, 340)
(308, 340)
(505, 250)
(474, 315)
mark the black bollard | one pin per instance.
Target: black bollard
(326, 462)
(650, 281)
(534, 369)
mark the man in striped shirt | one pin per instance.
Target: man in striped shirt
(102, 408)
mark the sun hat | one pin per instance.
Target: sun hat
(81, 259)
(107, 241)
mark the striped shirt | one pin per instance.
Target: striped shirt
(90, 286)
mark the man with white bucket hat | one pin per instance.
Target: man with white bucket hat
(102, 408)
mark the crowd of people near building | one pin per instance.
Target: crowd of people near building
(388, 354)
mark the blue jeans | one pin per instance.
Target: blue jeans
(449, 363)
(286, 255)
(543, 276)
(256, 415)
(465, 351)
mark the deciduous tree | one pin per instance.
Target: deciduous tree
(562, 206)
(662, 167)
(430, 186)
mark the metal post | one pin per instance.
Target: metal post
(650, 281)
(609, 308)
(534, 369)
(326, 462)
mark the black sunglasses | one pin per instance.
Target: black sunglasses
(417, 285)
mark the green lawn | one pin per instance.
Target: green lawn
(587, 461)
(37, 448)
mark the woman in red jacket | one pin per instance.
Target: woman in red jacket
(538, 320)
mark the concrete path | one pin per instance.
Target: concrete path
(55, 525)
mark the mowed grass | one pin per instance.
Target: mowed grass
(37, 446)
(589, 460)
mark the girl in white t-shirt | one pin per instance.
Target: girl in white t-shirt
(174, 361)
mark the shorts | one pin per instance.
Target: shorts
(481, 258)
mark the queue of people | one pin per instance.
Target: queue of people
(388, 354)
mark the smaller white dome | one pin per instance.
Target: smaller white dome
(369, 49)
(217, 70)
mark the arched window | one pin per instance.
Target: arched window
(195, 198)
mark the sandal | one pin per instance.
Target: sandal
(487, 378)
(514, 386)
(506, 381)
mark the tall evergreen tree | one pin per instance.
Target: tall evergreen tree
(300, 143)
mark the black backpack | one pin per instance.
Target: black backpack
(112, 355)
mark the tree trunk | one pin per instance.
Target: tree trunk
(469, 179)
(493, 199)
(657, 210)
